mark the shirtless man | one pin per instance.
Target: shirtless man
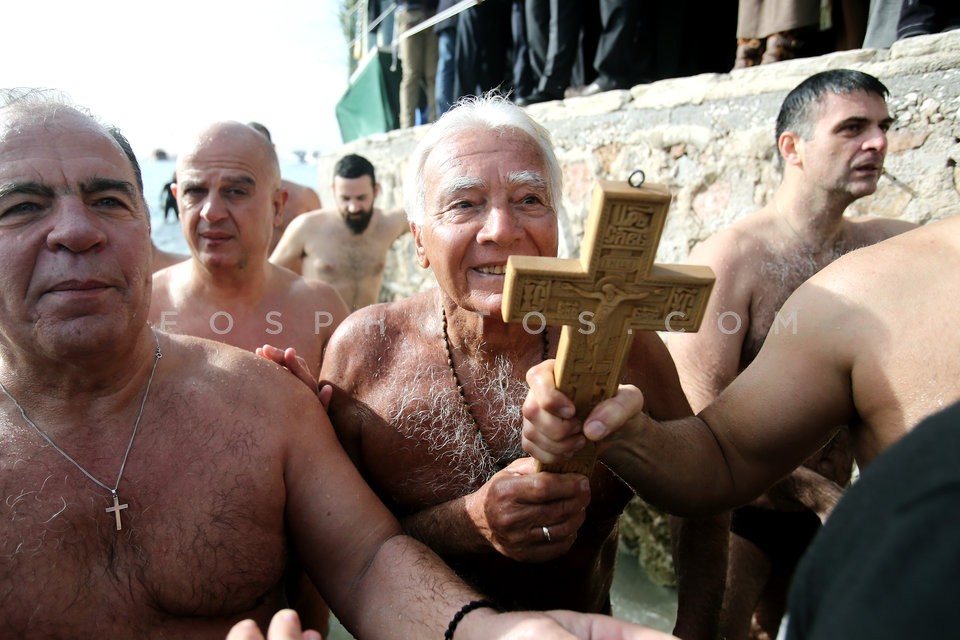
(228, 190)
(300, 198)
(874, 347)
(228, 195)
(175, 512)
(831, 137)
(345, 247)
(427, 390)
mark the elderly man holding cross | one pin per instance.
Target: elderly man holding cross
(427, 391)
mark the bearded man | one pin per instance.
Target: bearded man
(345, 247)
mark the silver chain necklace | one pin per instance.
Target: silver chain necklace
(115, 509)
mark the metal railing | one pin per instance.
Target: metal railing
(360, 45)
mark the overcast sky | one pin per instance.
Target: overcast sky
(160, 70)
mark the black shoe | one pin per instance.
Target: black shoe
(540, 96)
(599, 85)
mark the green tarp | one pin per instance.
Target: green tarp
(372, 102)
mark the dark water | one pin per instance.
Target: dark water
(635, 598)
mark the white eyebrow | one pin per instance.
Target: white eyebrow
(464, 183)
(457, 185)
(527, 177)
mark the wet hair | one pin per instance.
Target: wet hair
(797, 113)
(489, 112)
(354, 166)
(262, 129)
(38, 104)
(127, 151)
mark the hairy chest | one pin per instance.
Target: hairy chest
(195, 542)
(425, 443)
(345, 256)
(776, 279)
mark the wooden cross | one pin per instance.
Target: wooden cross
(601, 298)
(115, 509)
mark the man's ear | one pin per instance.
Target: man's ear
(376, 190)
(790, 146)
(280, 197)
(422, 258)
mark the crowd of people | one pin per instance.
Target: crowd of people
(386, 471)
(542, 50)
(230, 483)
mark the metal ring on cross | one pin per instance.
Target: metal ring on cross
(637, 178)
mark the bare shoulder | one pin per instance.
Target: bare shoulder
(304, 198)
(228, 375)
(379, 323)
(395, 214)
(859, 283)
(161, 280)
(170, 285)
(373, 337)
(734, 248)
(394, 222)
(306, 290)
(164, 276)
(889, 266)
(313, 221)
(870, 230)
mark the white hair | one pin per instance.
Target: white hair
(489, 112)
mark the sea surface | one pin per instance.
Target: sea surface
(167, 235)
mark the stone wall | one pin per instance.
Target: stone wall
(710, 139)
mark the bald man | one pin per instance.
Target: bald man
(230, 197)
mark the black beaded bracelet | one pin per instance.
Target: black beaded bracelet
(464, 610)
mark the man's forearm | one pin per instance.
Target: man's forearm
(406, 592)
(677, 466)
(447, 528)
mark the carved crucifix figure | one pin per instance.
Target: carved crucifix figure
(613, 289)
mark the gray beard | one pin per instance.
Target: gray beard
(429, 410)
